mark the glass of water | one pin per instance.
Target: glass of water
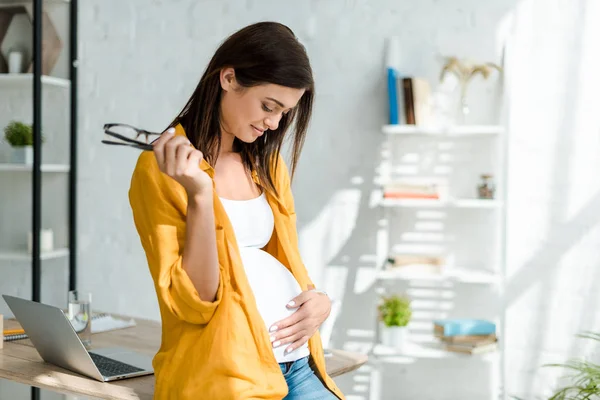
(80, 315)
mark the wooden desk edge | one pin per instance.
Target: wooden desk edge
(43, 370)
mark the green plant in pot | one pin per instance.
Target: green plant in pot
(395, 314)
(584, 376)
(20, 137)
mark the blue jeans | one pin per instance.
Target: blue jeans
(302, 382)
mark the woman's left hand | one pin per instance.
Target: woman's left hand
(312, 309)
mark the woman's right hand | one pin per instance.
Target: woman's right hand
(178, 159)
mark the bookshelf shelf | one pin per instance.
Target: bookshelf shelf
(23, 80)
(17, 3)
(462, 275)
(454, 131)
(29, 168)
(452, 203)
(6, 255)
(429, 349)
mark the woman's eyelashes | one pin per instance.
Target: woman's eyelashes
(267, 109)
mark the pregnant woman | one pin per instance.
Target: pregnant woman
(213, 207)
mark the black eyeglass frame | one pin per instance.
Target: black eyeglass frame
(129, 142)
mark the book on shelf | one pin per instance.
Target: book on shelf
(416, 263)
(458, 327)
(472, 348)
(406, 189)
(469, 336)
(417, 99)
(470, 339)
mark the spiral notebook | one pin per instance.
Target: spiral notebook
(104, 322)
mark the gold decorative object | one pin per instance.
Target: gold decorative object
(465, 71)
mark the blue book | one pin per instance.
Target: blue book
(459, 327)
(392, 82)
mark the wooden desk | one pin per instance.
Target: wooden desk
(20, 362)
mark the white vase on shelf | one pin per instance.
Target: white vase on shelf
(46, 241)
(22, 155)
(394, 336)
(15, 62)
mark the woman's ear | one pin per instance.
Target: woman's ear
(227, 78)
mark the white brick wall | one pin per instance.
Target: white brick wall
(140, 60)
(146, 78)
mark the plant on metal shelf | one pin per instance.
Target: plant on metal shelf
(20, 137)
(465, 71)
(394, 313)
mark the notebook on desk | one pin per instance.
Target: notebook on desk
(101, 322)
(54, 338)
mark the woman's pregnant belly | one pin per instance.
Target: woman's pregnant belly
(273, 286)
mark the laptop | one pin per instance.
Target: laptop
(54, 338)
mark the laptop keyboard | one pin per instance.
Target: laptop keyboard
(109, 367)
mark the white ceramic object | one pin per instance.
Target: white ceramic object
(22, 155)
(15, 62)
(394, 336)
(46, 241)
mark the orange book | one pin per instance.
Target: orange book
(405, 195)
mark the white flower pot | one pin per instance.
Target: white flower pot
(22, 155)
(394, 336)
(15, 62)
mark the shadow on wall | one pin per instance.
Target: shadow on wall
(340, 248)
(552, 265)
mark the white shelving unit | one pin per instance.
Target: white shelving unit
(59, 168)
(25, 256)
(26, 81)
(454, 131)
(462, 275)
(456, 203)
(425, 350)
(12, 3)
(482, 273)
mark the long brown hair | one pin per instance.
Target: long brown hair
(265, 52)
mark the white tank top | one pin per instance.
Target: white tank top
(272, 283)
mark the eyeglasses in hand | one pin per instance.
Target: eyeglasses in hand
(127, 135)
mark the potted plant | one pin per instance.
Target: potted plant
(20, 137)
(394, 314)
(584, 376)
(582, 380)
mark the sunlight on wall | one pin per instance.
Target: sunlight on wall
(554, 189)
(323, 237)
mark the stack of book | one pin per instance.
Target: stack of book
(416, 263)
(469, 336)
(409, 190)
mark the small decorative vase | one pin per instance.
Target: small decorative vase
(463, 104)
(15, 62)
(486, 188)
(22, 155)
(46, 241)
(394, 336)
